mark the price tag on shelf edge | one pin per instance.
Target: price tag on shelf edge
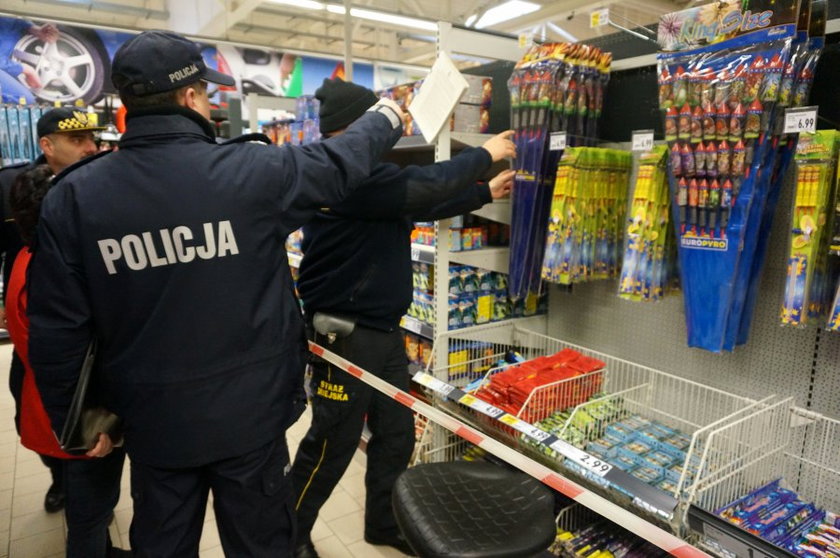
(557, 141)
(802, 119)
(589, 462)
(642, 140)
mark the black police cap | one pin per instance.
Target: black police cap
(160, 61)
(65, 119)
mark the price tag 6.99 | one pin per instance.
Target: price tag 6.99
(557, 141)
(642, 140)
(800, 120)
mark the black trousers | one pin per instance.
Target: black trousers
(340, 403)
(16, 372)
(93, 490)
(252, 499)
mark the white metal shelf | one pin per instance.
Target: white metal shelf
(423, 254)
(460, 140)
(494, 259)
(498, 211)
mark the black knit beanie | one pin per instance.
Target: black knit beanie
(342, 102)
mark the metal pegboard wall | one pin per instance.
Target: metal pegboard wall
(825, 398)
(776, 360)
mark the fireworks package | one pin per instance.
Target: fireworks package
(720, 78)
(797, 80)
(555, 88)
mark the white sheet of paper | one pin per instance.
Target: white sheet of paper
(440, 92)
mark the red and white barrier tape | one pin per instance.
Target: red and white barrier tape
(661, 538)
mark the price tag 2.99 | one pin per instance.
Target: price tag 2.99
(557, 141)
(800, 120)
(642, 140)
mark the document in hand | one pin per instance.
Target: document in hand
(86, 418)
(438, 96)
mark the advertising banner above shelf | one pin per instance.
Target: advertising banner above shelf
(48, 62)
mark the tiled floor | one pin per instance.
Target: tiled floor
(27, 531)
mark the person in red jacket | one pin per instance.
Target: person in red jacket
(92, 485)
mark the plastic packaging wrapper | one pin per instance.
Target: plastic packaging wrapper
(556, 87)
(727, 65)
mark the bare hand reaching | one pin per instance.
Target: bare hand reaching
(501, 184)
(103, 446)
(500, 146)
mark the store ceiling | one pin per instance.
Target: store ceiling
(284, 26)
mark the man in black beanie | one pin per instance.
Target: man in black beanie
(357, 266)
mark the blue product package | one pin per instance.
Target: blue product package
(5, 145)
(784, 529)
(636, 422)
(769, 516)
(35, 115)
(620, 432)
(626, 464)
(14, 135)
(25, 133)
(635, 447)
(751, 502)
(648, 475)
(659, 460)
(667, 486)
(605, 446)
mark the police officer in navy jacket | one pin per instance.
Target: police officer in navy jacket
(357, 265)
(171, 253)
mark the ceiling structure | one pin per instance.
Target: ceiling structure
(285, 25)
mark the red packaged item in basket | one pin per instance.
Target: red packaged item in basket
(586, 364)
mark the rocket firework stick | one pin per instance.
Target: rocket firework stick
(739, 159)
(700, 160)
(675, 160)
(722, 88)
(724, 159)
(752, 129)
(722, 122)
(666, 88)
(737, 85)
(711, 160)
(687, 156)
(713, 205)
(736, 123)
(695, 87)
(682, 202)
(772, 79)
(725, 205)
(671, 117)
(680, 87)
(697, 125)
(702, 202)
(693, 199)
(786, 86)
(755, 77)
(707, 89)
(709, 131)
(684, 123)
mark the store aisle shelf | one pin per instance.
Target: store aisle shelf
(460, 140)
(416, 326)
(423, 254)
(494, 259)
(498, 211)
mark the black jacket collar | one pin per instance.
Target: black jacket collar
(166, 121)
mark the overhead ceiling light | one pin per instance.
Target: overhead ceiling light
(384, 17)
(371, 15)
(471, 20)
(506, 11)
(307, 4)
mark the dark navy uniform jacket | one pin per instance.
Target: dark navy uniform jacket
(10, 242)
(357, 255)
(171, 251)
